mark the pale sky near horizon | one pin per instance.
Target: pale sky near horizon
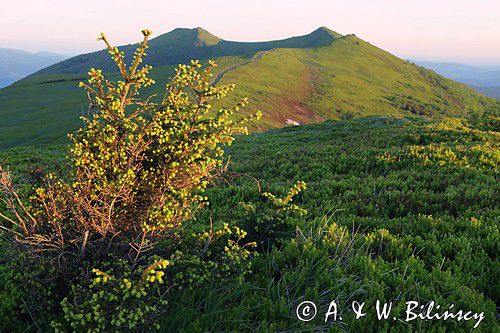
(466, 31)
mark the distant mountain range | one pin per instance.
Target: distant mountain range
(310, 78)
(16, 64)
(485, 79)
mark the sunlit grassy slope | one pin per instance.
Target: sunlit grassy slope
(303, 79)
(348, 78)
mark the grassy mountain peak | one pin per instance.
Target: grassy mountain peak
(186, 37)
(323, 30)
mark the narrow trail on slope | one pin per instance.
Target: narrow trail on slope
(255, 58)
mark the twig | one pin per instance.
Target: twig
(84, 244)
(32, 318)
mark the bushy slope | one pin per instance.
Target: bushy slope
(398, 210)
(304, 79)
(485, 79)
(493, 92)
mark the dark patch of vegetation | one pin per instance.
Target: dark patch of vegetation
(75, 79)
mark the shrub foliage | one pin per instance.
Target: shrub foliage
(139, 167)
(138, 170)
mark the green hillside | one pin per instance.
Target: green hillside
(310, 78)
(348, 78)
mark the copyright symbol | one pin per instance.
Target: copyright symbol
(306, 311)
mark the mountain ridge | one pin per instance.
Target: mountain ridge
(183, 44)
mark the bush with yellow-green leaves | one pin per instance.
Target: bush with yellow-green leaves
(272, 219)
(117, 299)
(139, 167)
(138, 170)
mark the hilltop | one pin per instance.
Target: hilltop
(319, 76)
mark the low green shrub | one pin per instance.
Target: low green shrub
(119, 298)
(137, 172)
(271, 219)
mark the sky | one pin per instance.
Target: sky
(466, 31)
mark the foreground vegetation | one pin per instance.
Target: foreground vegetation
(398, 209)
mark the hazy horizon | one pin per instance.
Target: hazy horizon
(446, 31)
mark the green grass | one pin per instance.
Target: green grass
(416, 229)
(398, 209)
(42, 109)
(349, 78)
